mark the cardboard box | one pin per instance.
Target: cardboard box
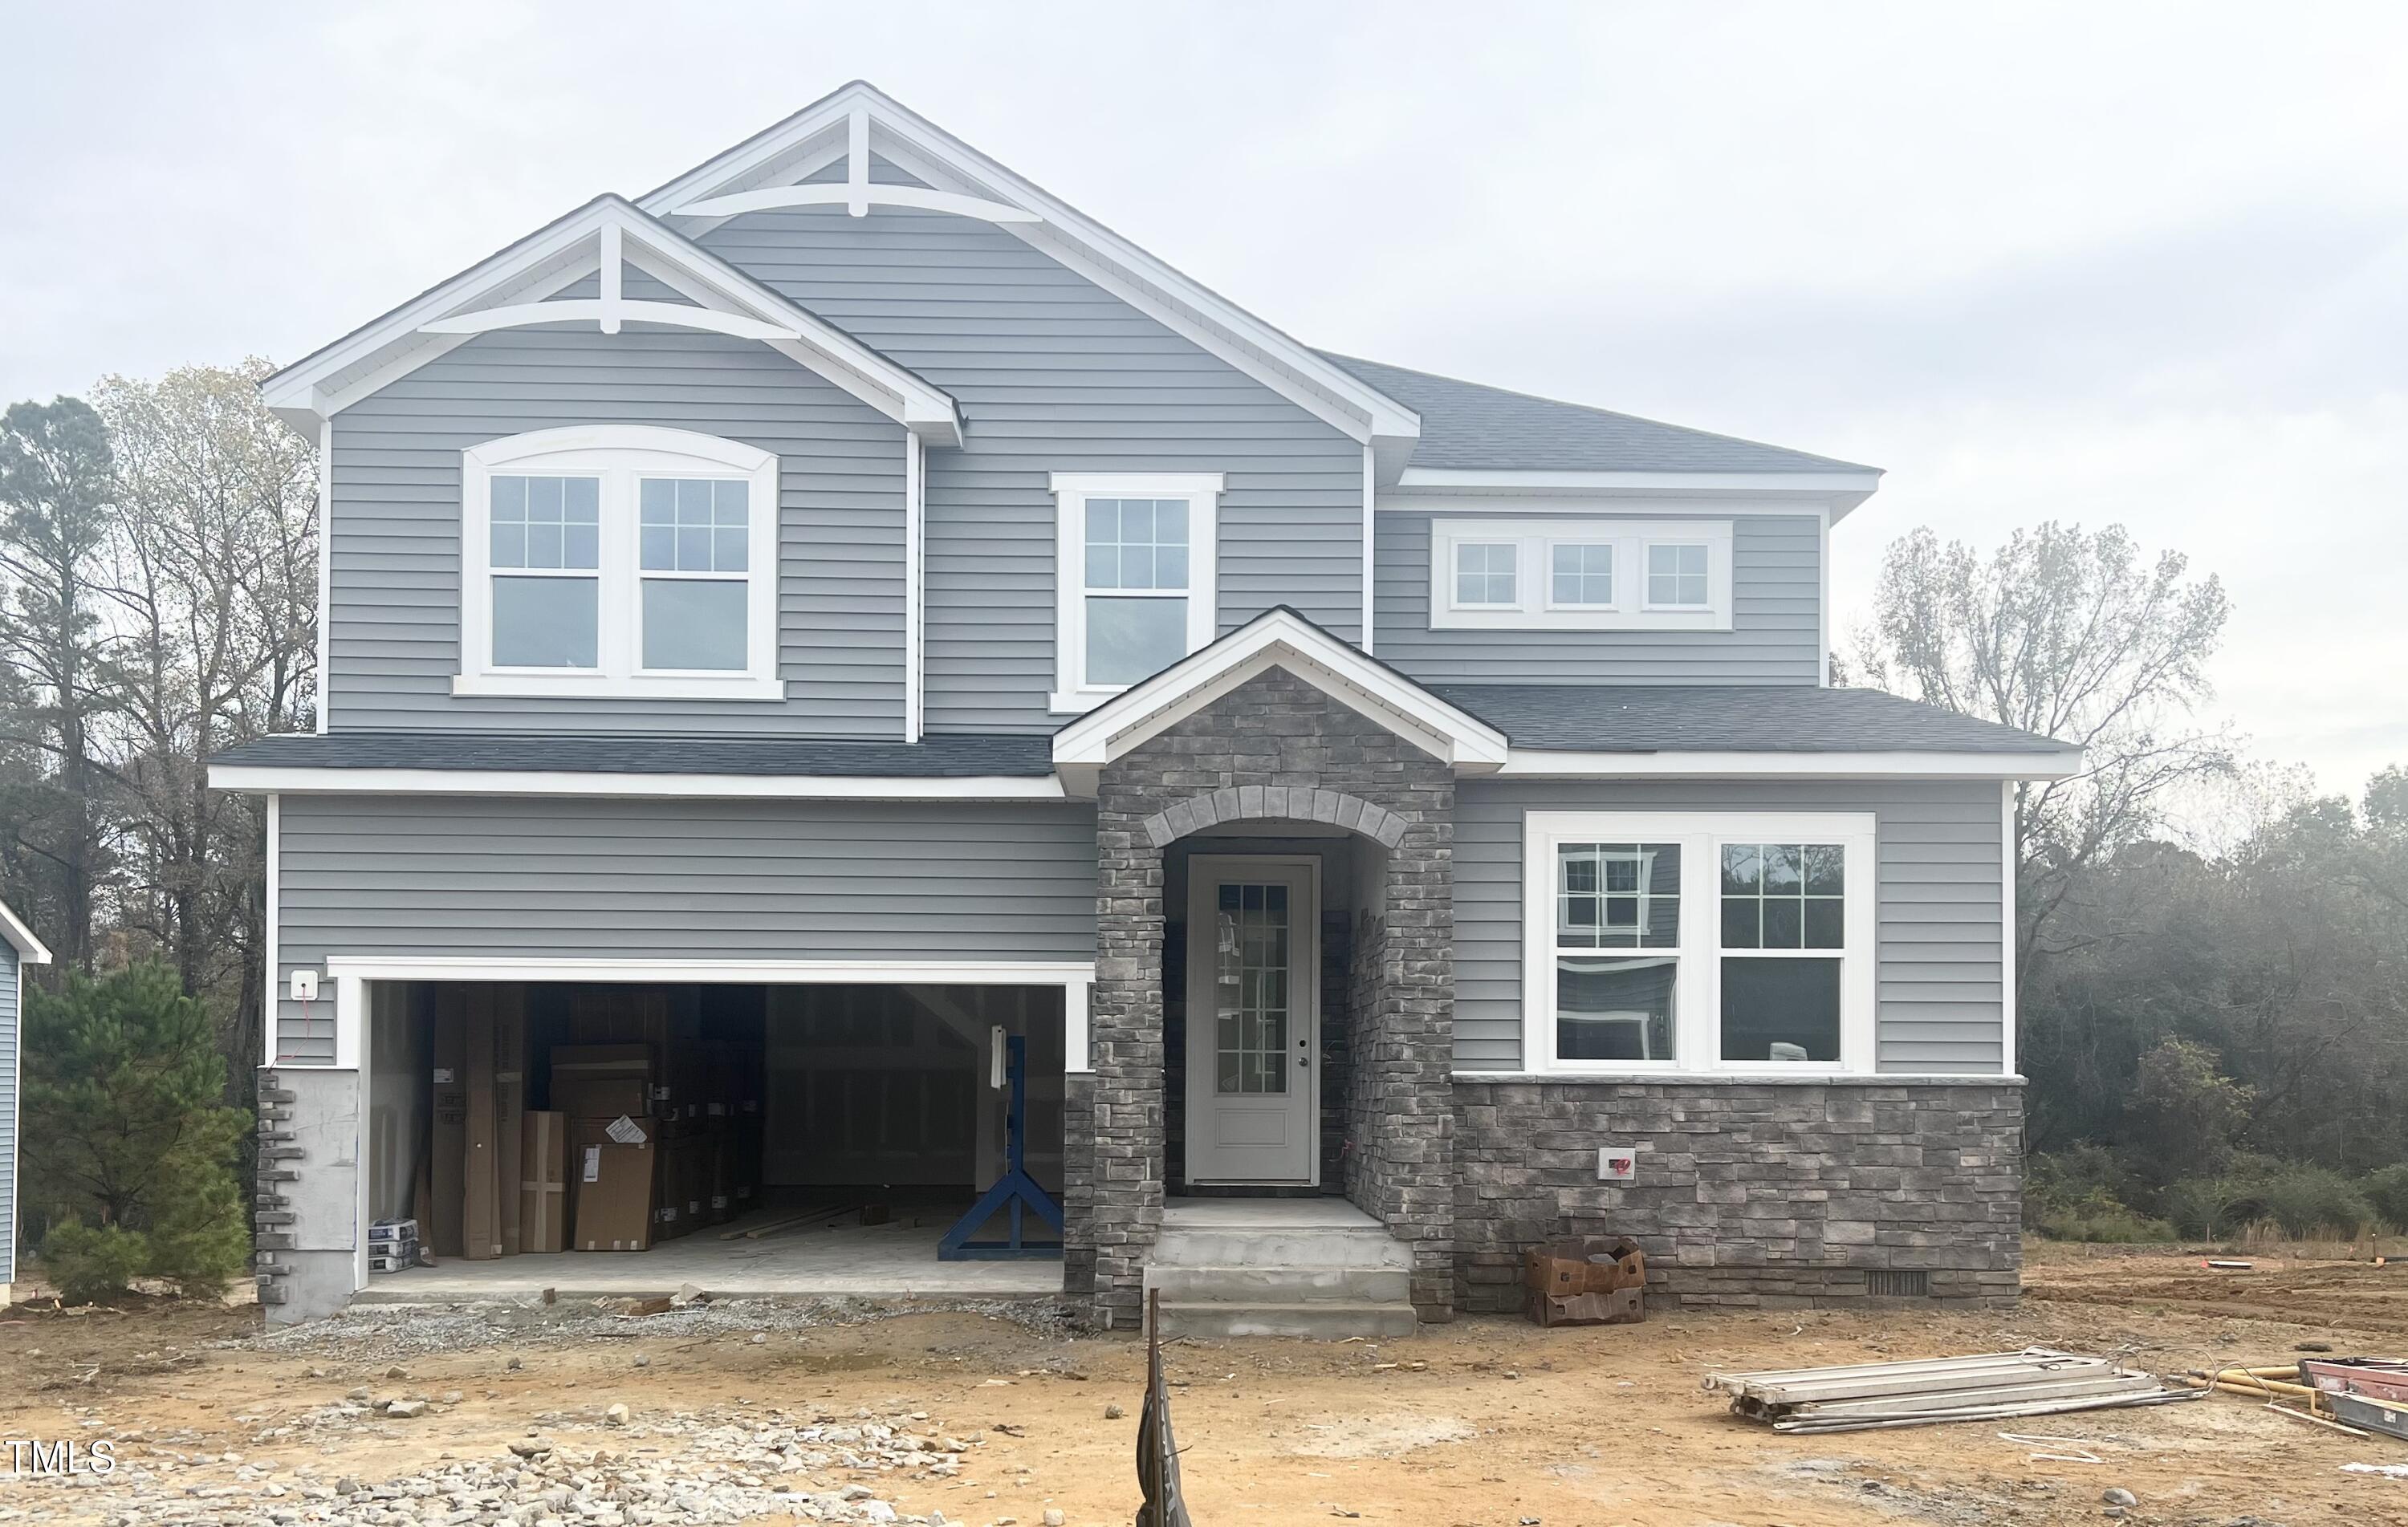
(510, 1108)
(614, 1180)
(1594, 1280)
(543, 1192)
(450, 1145)
(584, 1095)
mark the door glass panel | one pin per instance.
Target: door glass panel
(1250, 988)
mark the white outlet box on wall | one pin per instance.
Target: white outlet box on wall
(305, 986)
(1616, 1163)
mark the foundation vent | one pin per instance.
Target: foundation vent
(1885, 1283)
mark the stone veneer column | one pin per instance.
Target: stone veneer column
(1275, 748)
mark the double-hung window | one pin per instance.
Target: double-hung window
(1134, 576)
(619, 561)
(1714, 941)
(1572, 573)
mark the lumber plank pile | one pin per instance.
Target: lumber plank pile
(2036, 1382)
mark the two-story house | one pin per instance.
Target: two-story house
(850, 586)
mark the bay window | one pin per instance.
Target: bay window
(1134, 577)
(1579, 574)
(619, 561)
(1708, 941)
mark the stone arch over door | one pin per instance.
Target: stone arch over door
(1275, 748)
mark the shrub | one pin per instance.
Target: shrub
(2300, 1198)
(89, 1265)
(2386, 1193)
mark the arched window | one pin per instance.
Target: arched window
(619, 561)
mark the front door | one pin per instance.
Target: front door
(1253, 967)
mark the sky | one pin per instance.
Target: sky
(2137, 264)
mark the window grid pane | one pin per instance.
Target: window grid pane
(1583, 575)
(1485, 573)
(545, 523)
(1783, 896)
(1137, 543)
(1250, 988)
(1615, 1009)
(693, 525)
(1676, 574)
(1618, 896)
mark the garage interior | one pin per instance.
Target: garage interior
(793, 1139)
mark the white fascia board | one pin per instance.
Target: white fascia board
(257, 778)
(1539, 763)
(1842, 491)
(30, 950)
(324, 383)
(1101, 735)
(926, 150)
(737, 972)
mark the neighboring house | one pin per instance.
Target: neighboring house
(848, 571)
(19, 948)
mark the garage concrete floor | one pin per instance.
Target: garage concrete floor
(892, 1261)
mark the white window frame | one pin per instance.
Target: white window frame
(1521, 575)
(1647, 572)
(1536, 608)
(1696, 1015)
(1072, 693)
(619, 454)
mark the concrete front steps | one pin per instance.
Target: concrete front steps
(1319, 1268)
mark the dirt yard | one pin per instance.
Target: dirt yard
(1488, 1421)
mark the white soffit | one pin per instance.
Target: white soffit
(858, 119)
(13, 930)
(1278, 639)
(600, 238)
(1428, 487)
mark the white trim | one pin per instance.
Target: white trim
(326, 564)
(620, 455)
(1823, 599)
(2009, 1021)
(1841, 489)
(824, 195)
(1542, 763)
(30, 950)
(1283, 638)
(915, 574)
(269, 954)
(1533, 607)
(1696, 1011)
(308, 781)
(351, 975)
(374, 356)
(1071, 491)
(1370, 549)
(927, 153)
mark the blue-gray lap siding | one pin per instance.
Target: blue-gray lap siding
(685, 879)
(394, 557)
(11, 1003)
(1939, 914)
(1776, 618)
(1053, 373)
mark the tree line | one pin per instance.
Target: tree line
(2212, 1024)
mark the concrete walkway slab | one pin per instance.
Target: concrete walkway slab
(894, 1261)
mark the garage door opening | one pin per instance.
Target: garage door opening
(599, 1138)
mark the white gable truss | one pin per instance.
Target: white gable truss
(771, 170)
(1282, 639)
(599, 240)
(16, 935)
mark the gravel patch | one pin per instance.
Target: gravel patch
(368, 1332)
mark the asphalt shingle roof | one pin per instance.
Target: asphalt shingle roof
(1728, 718)
(1464, 425)
(965, 755)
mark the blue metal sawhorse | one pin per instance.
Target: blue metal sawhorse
(1015, 1191)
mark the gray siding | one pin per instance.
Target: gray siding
(1939, 915)
(1055, 375)
(394, 557)
(11, 993)
(675, 880)
(1775, 637)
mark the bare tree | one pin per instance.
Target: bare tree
(2073, 635)
(55, 505)
(213, 641)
